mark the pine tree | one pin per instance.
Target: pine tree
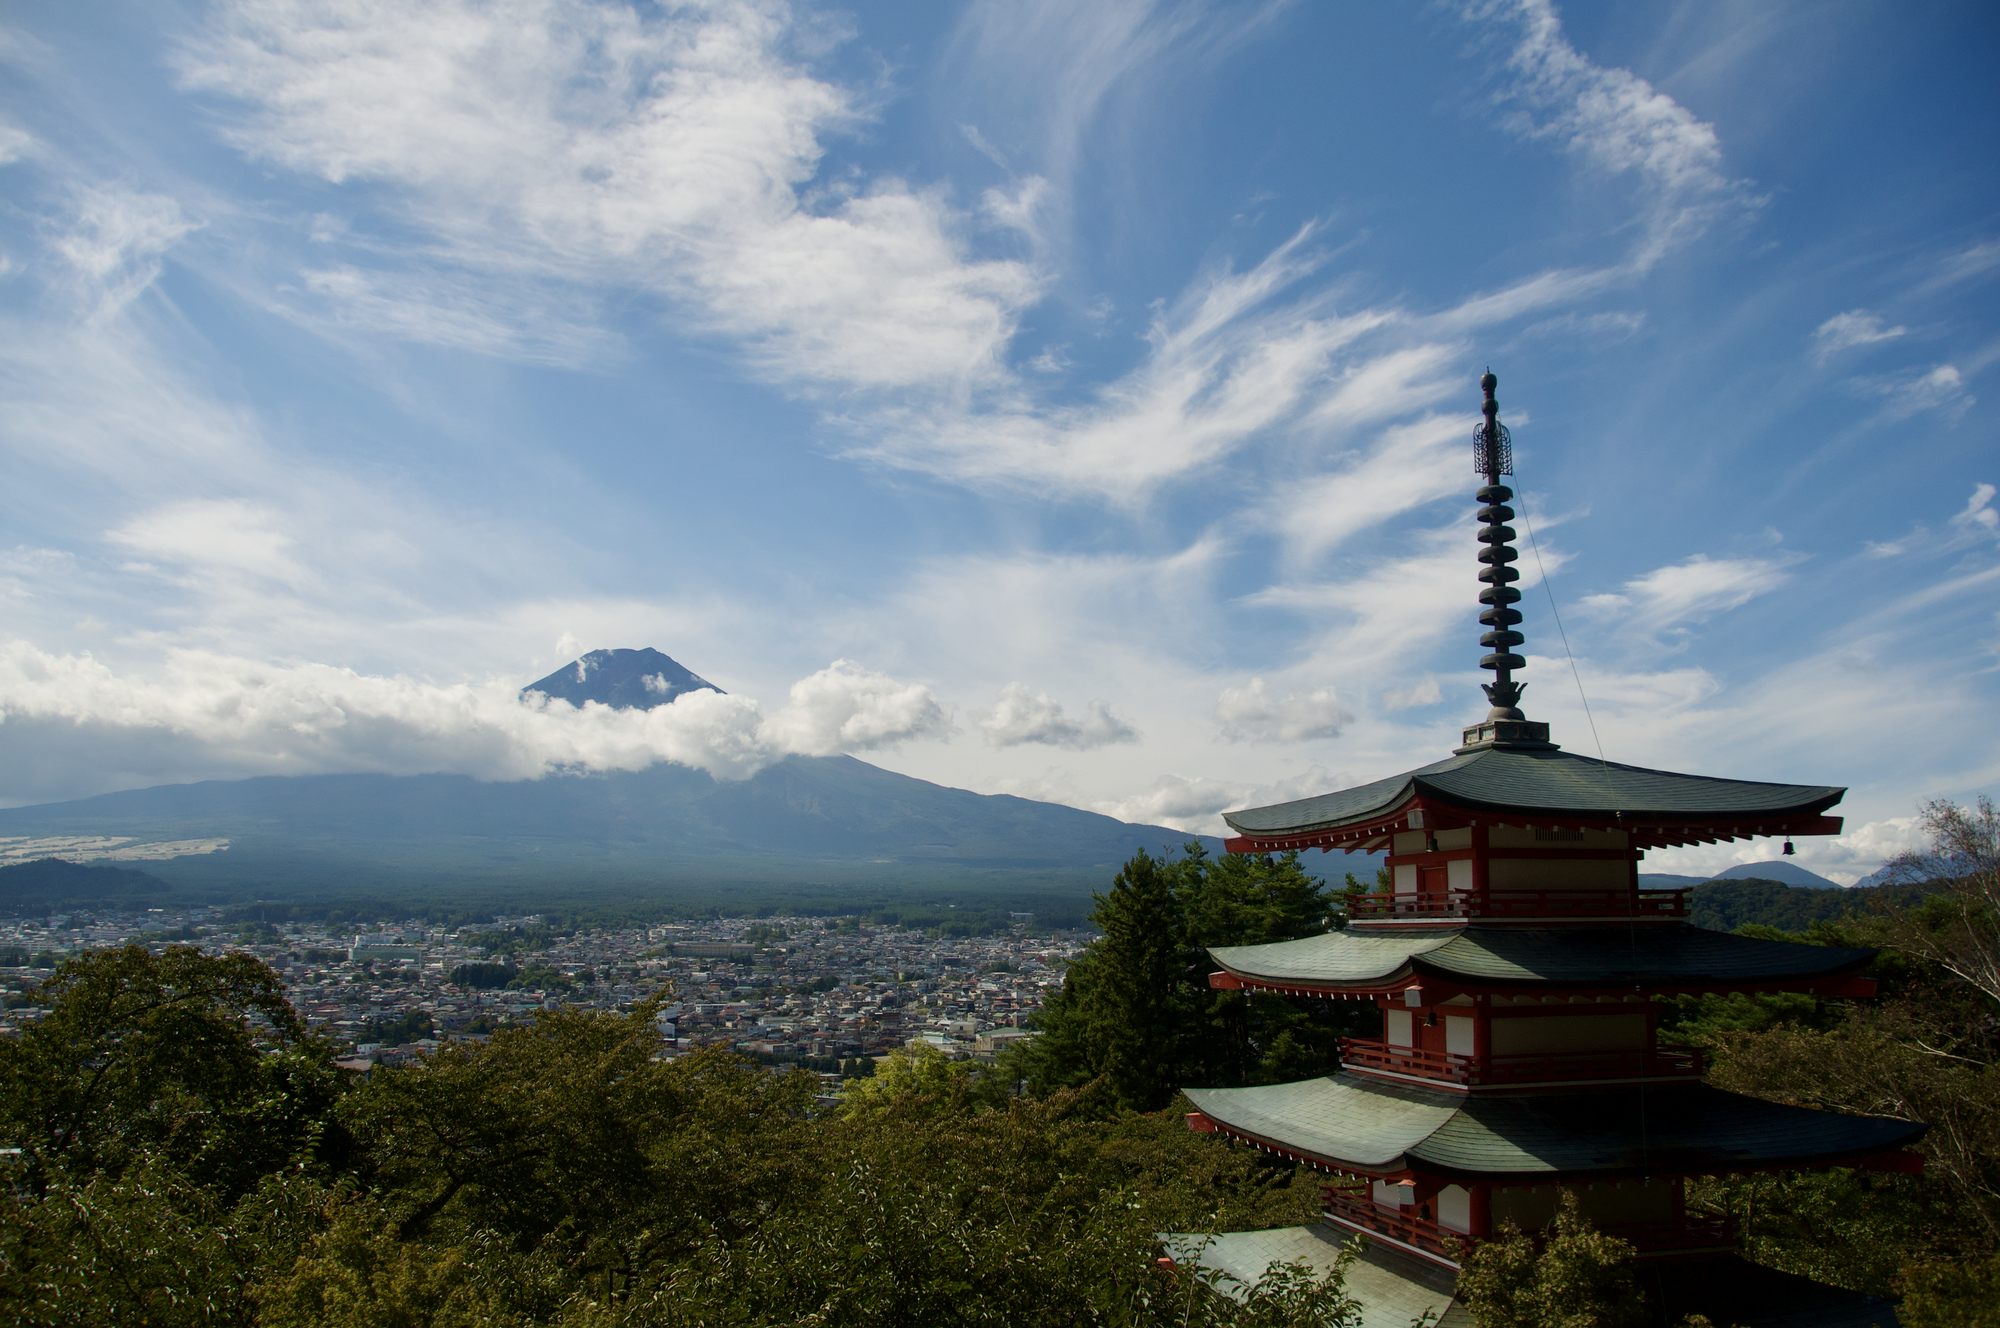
(1137, 1005)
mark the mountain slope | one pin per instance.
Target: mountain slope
(50, 880)
(621, 679)
(1777, 869)
(826, 819)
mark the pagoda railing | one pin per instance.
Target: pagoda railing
(1521, 904)
(1355, 1208)
(1524, 1067)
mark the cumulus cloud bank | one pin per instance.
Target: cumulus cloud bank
(1843, 858)
(1253, 714)
(1196, 804)
(1022, 716)
(213, 716)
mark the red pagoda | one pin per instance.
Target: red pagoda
(1519, 968)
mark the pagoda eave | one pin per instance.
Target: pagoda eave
(1374, 835)
(1897, 1160)
(1435, 989)
(1431, 966)
(1366, 1127)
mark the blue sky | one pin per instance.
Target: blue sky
(1067, 400)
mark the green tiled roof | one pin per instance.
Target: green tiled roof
(1392, 1290)
(1338, 956)
(1344, 1117)
(1651, 954)
(1372, 1125)
(1544, 783)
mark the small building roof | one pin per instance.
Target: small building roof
(1670, 956)
(1391, 1289)
(1350, 1122)
(1543, 783)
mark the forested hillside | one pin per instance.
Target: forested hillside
(179, 1150)
(1725, 905)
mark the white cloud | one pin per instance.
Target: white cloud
(1969, 263)
(546, 150)
(673, 149)
(1856, 327)
(1195, 805)
(1605, 329)
(1612, 118)
(524, 320)
(215, 536)
(1253, 714)
(1943, 389)
(1410, 465)
(1423, 692)
(1978, 517)
(1693, 591)
(1222, 369)
(205, 715)
(846, 708)
(1842, 858)
(1024, 716)
(15, 144)
(113, 245)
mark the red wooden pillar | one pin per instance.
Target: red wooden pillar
(1481, 1216)
(1479, 847)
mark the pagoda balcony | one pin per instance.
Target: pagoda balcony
(1521, 1068)
(1519, 905)
(1356, 1211)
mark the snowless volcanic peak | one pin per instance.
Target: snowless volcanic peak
(621, 679)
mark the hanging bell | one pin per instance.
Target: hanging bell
(1789, 850)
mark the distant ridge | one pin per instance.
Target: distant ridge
(827, 819)
(621, 679)
(1776, 870)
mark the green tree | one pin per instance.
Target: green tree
(1574, 1276)
(925, 1073)
(1137, 1006)
(1951, 1294)
(569, 1134)
(1925, 1050)
(195, 1060)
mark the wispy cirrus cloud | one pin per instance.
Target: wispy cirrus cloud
(1856, 327)
(609, 145)
(542, 150)
(1691, 591)
(1941, 389)
(1975, 523)
(1616, 121)
(114, 243)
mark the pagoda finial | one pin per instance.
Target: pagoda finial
(1493, 457)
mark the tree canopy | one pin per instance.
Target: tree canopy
(1136, 1008)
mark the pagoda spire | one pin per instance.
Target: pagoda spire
(1493, 457)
